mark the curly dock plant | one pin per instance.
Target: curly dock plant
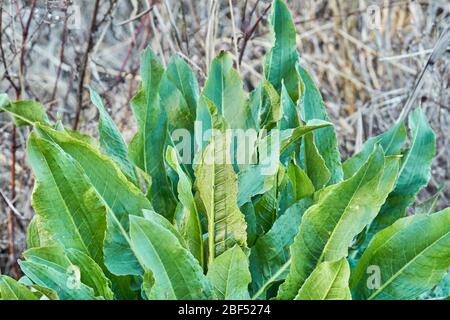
(151, 220)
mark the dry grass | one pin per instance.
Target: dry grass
(365, 74)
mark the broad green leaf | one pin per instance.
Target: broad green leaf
(290, 118)
(230, 276)
(117, 193)
(50, 268)
(415, 171)
(252, 182)
(266, 209)
(111, 140)
(147, 148)
(80, 136)
(410, 257)
(10, 289)
(279, 63)
(270, 256)
(291, 136)
(152, 215)
(225, 89)
(341, 212)
(295, 186)
(270, 110)
(78, 267)
(265, 107)
(217, 185)
(301, 184)
(182, 76)
(65, 202)
(392, 142)
(25, 112)
(42, 292)
(179, 97)
(218, 121)
(33, 238)
(313, 107)
(315, 166)
(329, 281)
(91, 273)
(187, 221)
(37, 236)
(176, 274)
(250, 219)
(179, 94)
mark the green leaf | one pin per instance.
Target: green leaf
(290, 118)
(295, 186)
(42, 292)
(225, 89)
(270, 256)
(415, 171)
(392, 142)
(117, 193)
(412, 256)
(270, 110)
(64, 200)
(253, 182)
(279, 63)
(217, 185)
(341, 212)
(179, 94)
(147, 149)
(301, 184)
(10, 289)
(24, 112)
(249, 212)
(315, 166)
(329, 281)
(91, 273)
(176, 274)
(152, 215)
(291, 136)
(229, 274)
(111, 140)
(313, 107)
(48, 267)
(265, 107)
(266, 210)
(36, 235)
(187, 221)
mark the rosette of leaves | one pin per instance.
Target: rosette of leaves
(146, 220)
